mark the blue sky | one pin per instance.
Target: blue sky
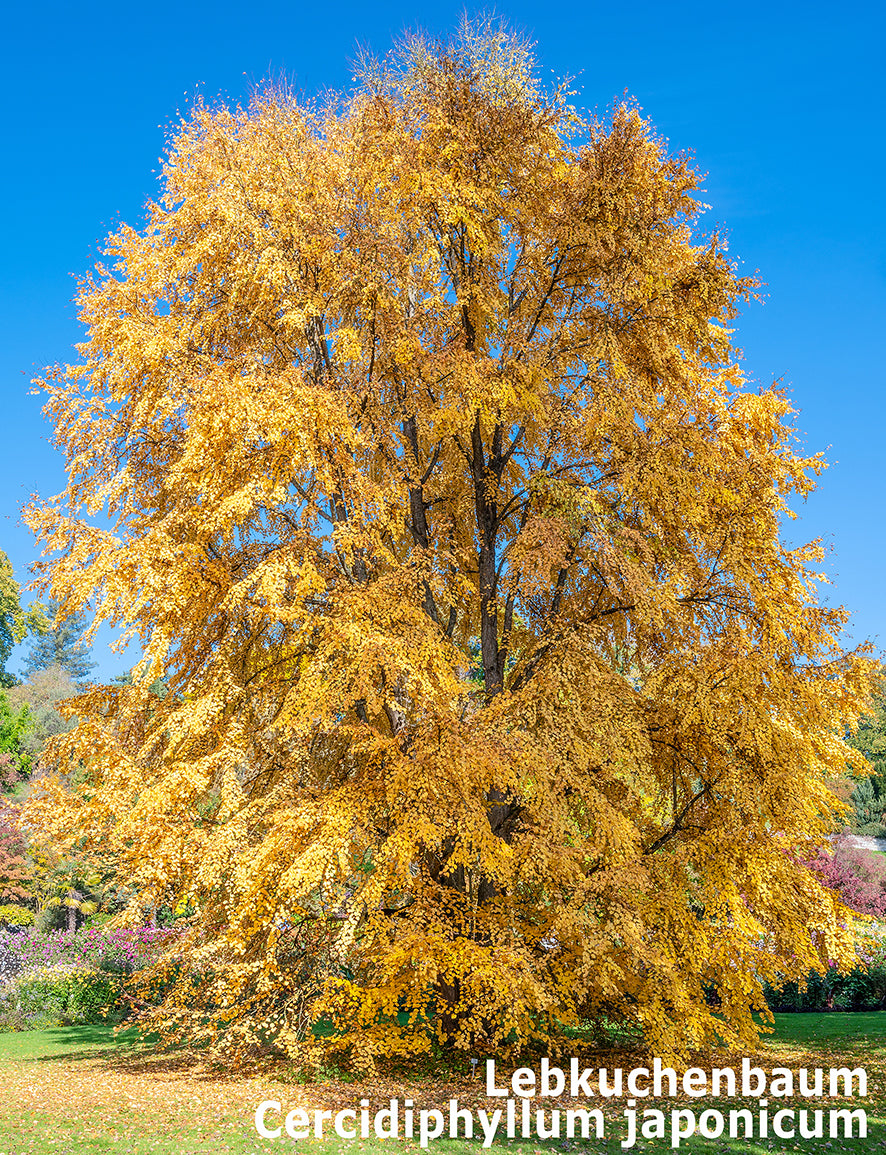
(781, 104)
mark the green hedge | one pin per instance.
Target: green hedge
(863, 989)
(54, 996)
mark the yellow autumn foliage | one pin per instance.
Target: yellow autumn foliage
(496, 702)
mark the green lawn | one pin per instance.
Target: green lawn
(60, 1043)
(855, 1030)
(79, 1090)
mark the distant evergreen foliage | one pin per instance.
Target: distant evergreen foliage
(159, 687)
(62, 645)
(869, 795)
(869, 803)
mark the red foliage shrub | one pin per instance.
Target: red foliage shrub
(15, 870)
(858, 876)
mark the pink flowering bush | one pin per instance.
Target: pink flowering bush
(72, 976)
(119, 951)
(858, 876)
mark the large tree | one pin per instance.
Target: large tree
(60, 646)
(16, 622)
(436, 371)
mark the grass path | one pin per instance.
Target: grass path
(73, 1091)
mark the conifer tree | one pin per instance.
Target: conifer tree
(61, 645)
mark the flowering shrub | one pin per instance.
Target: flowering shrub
(858, 876)
(58, 996)
(115, 951)
(71, 976)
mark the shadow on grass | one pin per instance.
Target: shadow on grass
(125, 1049)
(62, 1043)
(129, 1050)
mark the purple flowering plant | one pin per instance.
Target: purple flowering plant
(90, 948)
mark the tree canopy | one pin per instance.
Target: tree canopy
(60, 645)
(436, 377)
(15, 621)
